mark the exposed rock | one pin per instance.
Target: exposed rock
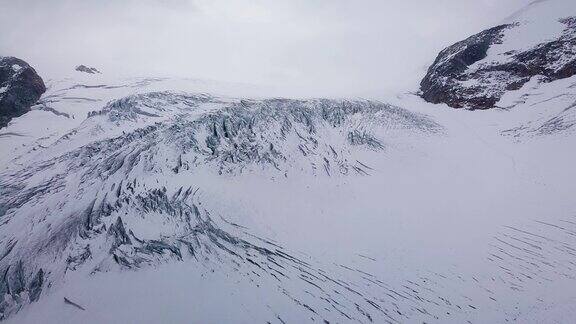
(451, 66)
(466, 75)
(87, 69)
(20, 88)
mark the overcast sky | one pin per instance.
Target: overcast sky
(313, 47)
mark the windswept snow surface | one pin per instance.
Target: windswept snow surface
(182, 206)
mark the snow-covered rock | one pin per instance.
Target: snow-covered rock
(20, 88)
(87, 69)
(475, 73)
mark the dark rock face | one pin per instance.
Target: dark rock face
(87, 69)
(440, 83)
(20, 88)
(460, 79)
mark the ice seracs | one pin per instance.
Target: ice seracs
(119, 169)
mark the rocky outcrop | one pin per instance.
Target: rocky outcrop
(20, 88)
(442, 81)
(473, 74)
(87, 69)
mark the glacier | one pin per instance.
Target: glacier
(164, 199)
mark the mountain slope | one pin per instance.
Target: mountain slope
(475, 73)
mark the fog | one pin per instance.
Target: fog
(309, 47)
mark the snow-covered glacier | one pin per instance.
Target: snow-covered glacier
(216, 208)
(124, 191)
(147, 200)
